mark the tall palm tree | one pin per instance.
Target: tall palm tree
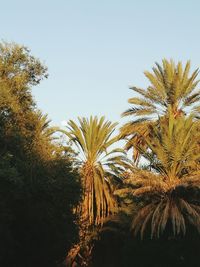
(98, 162)
(171, 86)
(93, 138)
(169, 195)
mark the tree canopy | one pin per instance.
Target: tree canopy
(38, 184)
(83, 202)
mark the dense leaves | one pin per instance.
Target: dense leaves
(95, 205)
(38, 186)
(171, 86)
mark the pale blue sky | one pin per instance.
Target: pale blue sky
(96, 49)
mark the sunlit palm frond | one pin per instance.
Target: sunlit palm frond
(169, 195)
(171, 87)
(94, 139)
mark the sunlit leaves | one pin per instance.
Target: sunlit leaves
(170, 192)
(171, 86)
(94, 139)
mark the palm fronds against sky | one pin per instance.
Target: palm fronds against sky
(94, 140)
(171, 86)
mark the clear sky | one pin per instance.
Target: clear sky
(96, 49)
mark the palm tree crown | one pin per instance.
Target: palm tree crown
(170, 192)
(93, 137)
(171, 86)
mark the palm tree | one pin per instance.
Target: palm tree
(169, 195)
(43, 136)
(99, 163)
(93, 138)
(171, 86)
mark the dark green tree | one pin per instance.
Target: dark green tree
(39, 188)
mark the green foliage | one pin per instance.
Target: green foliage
(38, 186)
(18, 71)
(171, 87)
(168, 195)
(161, 200)
(93, 137)
(41, 198)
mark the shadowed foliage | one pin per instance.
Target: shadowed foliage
(169, 194)
(38, 186)
(99, 163)
(95, 207)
